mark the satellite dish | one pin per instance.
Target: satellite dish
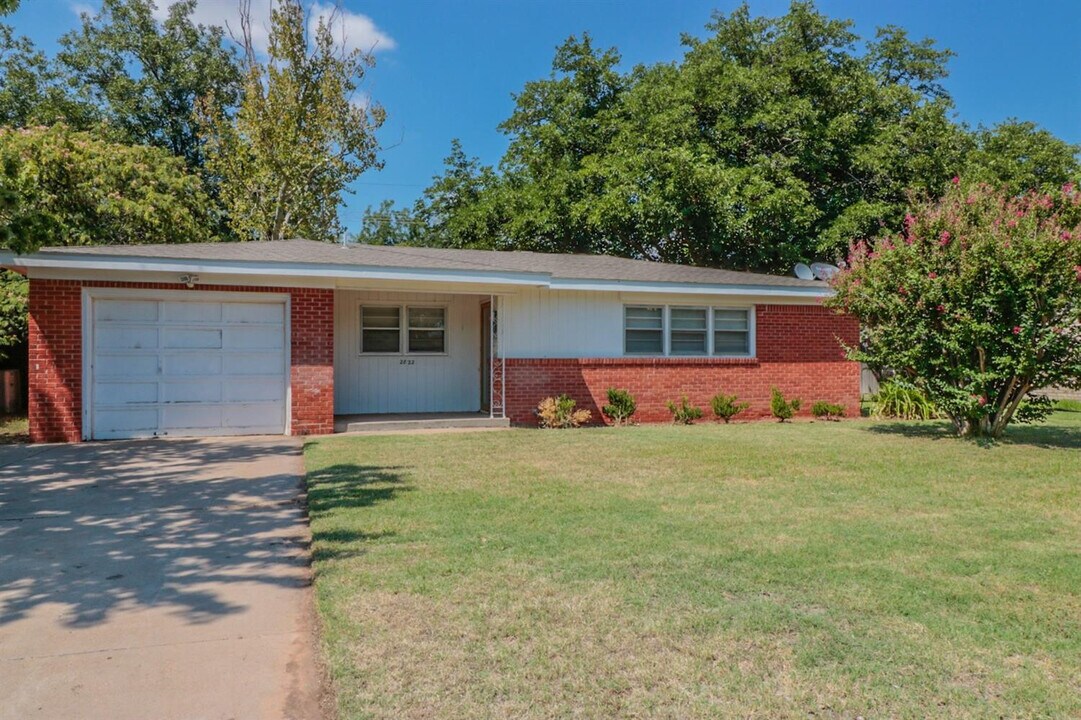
(824, 271)
(803, 272)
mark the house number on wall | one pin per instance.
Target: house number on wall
(407, 361)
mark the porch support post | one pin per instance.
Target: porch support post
(497, 375)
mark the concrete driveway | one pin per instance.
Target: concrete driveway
(155, 579)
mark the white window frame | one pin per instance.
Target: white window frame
(666, 329)
(406, 327)
(664, 325)
(752, 350)
(403, 329)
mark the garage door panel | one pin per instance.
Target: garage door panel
(195, 415)
(188, 367)
(193, 363)
(254, 313)
(253, 337)
(191, 312)
(128, 422)
(125, 393)
(114, 336)
(191, 392)
(125, 365)
(250, 415)
(192, 338)
(266, 363)
(265, 390)
(129, 310)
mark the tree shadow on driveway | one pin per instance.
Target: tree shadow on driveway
(101, 527)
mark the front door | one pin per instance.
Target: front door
(486, 356)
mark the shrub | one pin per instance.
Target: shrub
(896, 399)
(684, 413)
(827, 411)
(782, 409)
(977, 303)
(726, 407)
(1068, 405)
(560, 412)
(620, 407)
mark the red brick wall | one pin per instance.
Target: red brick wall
(56, 355)
(797, 348)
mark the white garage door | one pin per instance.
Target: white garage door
(187, 366)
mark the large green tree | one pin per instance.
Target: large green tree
(301, 133)
(145, 76)
(63, 187)
(771, 141)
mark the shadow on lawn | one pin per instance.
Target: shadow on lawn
(348, 486)
(1043, 436)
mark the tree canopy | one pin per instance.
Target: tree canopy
(300, 135)
(771, 141)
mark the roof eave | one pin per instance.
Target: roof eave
(120, 263)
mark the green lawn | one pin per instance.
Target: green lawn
(823, 570)
(13, 429)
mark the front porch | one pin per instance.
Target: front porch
(416, 360)
(392, 422)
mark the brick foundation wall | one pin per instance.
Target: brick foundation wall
(56, 379)
(798, 350)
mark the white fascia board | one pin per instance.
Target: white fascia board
(690, 288)
(275, 270)
(340, 272)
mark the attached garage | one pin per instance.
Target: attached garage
(185, 363)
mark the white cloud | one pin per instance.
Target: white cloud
(353, 29)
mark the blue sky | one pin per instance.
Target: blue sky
(448, 68)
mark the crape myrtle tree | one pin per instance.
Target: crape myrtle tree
(977, 302)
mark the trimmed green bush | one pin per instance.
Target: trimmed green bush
(782, 409)
(684, 413)
(621, 406)
(726, 407)
(827, 411)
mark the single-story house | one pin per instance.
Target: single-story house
(280, 337)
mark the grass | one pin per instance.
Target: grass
(811, 570)
(14, 429)
(1068, 405)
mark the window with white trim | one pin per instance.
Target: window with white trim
(380, 329)
(674, 330)
(403, 329)
(427, 329)
(731, 331)
(688, 330)
(643, 330)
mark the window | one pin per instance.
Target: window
(687, 331)
(427, 329)
(380, 329)
(678, 331)
(643, 330)
(731, 332)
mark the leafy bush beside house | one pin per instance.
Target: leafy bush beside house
(827, 410)
(896, 399)
(621, 406)
(726, 407)
(977, 303)
(560, 412)
(781, 408)
(683, 413)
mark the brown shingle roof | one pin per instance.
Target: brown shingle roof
(557, 266)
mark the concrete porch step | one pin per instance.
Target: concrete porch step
(423, 421)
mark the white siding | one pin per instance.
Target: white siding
(541, 323)
(383, 384)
